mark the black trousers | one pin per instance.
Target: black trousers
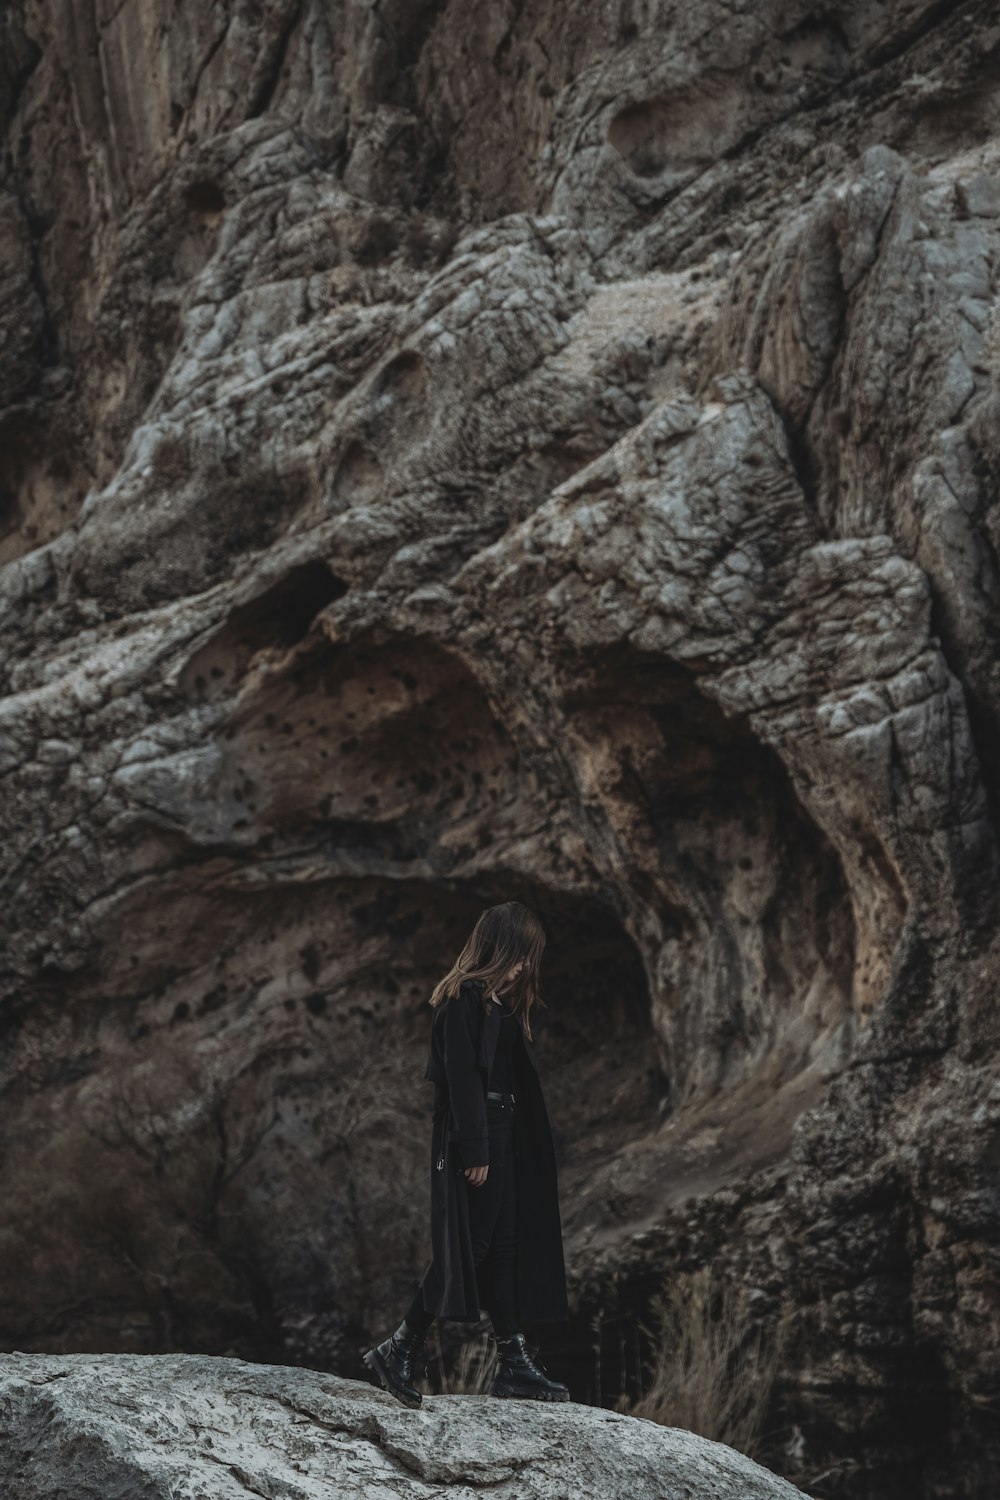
(493, 1226)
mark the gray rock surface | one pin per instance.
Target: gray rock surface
(456, 451)
(188, 1427)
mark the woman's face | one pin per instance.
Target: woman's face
(513, 973)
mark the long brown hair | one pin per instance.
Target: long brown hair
(502, 935)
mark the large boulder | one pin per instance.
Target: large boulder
(189, 1427)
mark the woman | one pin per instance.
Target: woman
(496, 1234)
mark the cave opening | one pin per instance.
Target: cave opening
(751, 938)
(749, 945)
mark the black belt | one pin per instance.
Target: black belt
(504, 1098)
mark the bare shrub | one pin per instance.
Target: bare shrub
(132, 1212)
(362, 1114)
(471, 1373)
(715, 1364)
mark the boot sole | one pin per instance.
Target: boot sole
(509, 1395)
(378, 1369)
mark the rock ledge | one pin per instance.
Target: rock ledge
(187, 1427)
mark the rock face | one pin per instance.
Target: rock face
(182, 1427)
(453, 452)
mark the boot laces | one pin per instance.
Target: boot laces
(525, 1354)
(406, 1348)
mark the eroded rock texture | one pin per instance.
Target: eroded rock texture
(182, 1427)
(451, 452)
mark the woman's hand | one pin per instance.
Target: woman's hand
(476, 1175)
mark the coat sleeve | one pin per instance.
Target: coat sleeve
(470, 1136)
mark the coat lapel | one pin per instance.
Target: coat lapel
(488, 1038)
(489, 1035)
(529, 1049)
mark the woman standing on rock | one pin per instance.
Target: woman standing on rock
(496, 1234)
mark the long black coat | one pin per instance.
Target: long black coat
(463, 1045)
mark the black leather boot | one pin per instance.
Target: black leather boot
(391, 1362)
(518, 1374)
